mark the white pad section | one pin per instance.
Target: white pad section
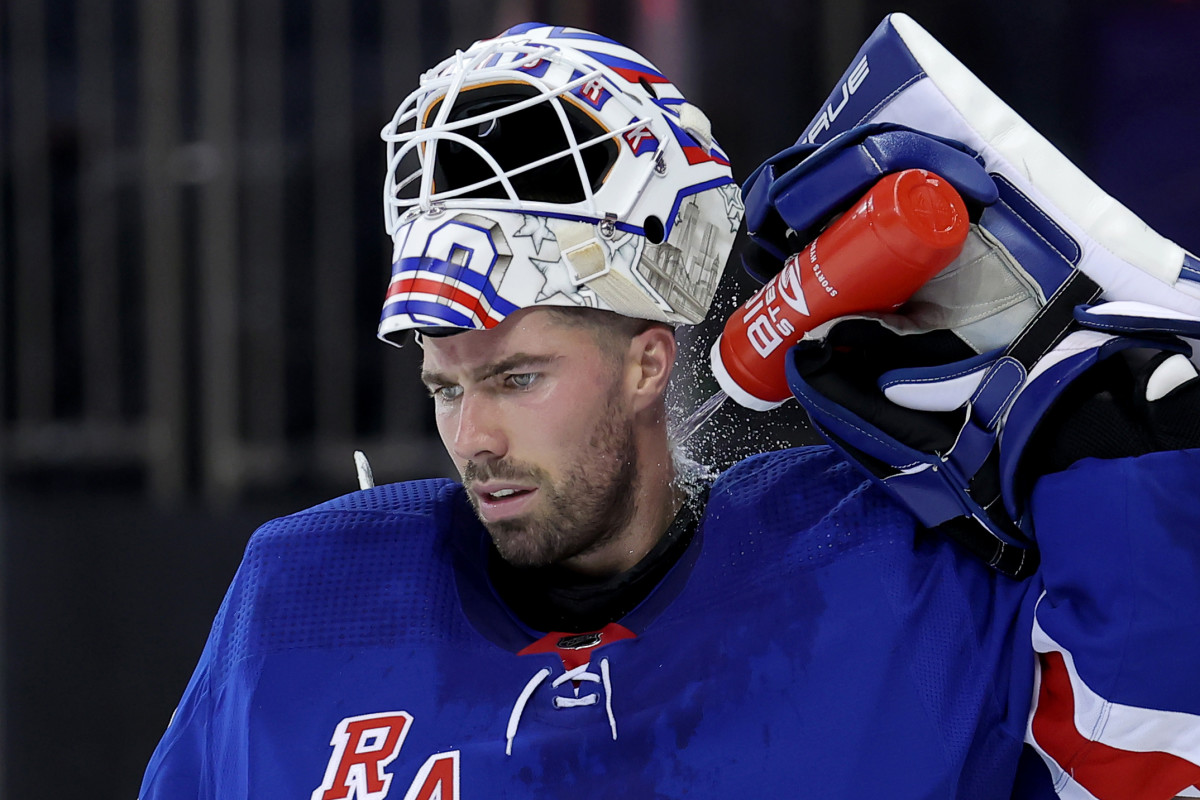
(936, 394)
(1170, 375)
(1075, 343)
(953, 102)
(1135, 309)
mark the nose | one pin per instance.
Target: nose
(478, 432)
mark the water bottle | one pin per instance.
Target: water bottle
(908, 227)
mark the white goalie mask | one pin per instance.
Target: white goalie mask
(552, 166)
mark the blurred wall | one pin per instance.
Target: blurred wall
(193, 261)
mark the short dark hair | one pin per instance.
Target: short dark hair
(612, 331)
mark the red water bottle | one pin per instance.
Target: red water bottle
(901, 233)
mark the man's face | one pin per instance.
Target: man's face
(534, 415)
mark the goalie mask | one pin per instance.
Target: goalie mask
(552, 166)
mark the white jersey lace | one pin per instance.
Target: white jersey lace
(580, 674)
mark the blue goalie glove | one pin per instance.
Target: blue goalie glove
(1121, 384)
(795, 193)
(1060, 301)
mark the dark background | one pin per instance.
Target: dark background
(193, 261)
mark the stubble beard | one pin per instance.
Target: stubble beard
(580, 513)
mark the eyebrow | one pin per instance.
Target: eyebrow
(515, 361)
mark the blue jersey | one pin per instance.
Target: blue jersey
(811, 642)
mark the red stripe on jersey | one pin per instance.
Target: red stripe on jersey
(1107, 772)
(447, 290)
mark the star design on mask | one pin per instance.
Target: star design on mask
(734, 208)
(537, 230)
(622, 251)
(556, 280)
(586, 297)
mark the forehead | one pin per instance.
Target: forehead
(529, 331)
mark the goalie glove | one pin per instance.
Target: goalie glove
(1043, 228)
(922, 397)
(795, 193)
(898, 235)
(1120, 385)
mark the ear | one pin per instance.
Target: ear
(651, 359)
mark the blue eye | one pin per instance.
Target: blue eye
(445, 394)
(522, 380)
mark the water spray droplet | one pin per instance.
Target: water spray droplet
(698, 417)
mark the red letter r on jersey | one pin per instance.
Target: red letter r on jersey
(362, 747)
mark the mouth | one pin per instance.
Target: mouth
(496, 503)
